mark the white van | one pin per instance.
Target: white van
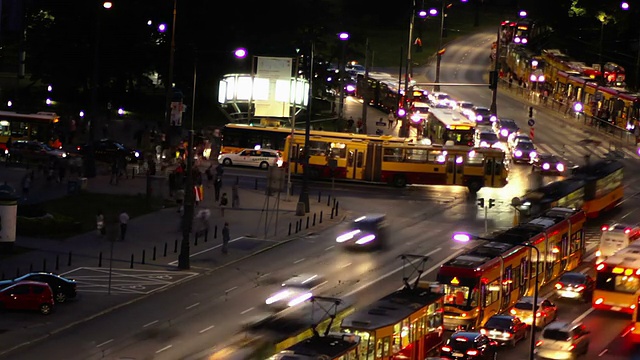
(615, 237)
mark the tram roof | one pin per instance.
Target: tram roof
(331, 345)
(554, 191)
(391, 309)
(451, 117)
(597, 170)
(628, 257)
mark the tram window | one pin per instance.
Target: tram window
(385, 347)
(488, 167)
(392, 154)
(416, 155)
(4, 128)
(360, 159)
(435, 157)
(497, 169)
(379, 349)
(576, 241)
(516, 277)
(338, 151)
(318, 148)
(493, 293)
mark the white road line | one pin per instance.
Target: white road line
(206, 329)
(354, 291)
(626, 332)
(246, 311)
(104, 343)
(206, 250)
(584, 315)
(230, 290)
(603, 352)
(164, 348)
(299, 261)
(329, 248)
(345, 265)
(149, 324)
(192, 306)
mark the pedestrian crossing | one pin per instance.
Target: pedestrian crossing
(579, 151)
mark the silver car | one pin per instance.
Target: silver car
(547, 311)
(562, 340)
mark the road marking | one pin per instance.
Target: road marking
(230, 290)
(299, 261)
(329, 248)
(246, 311)
(104, 343)
(354, 291)
(206, 329)
(192, 306)
(164, 348)
(584, 315)
(345, 265)
(206, 250)
(149, 324)
(627, 332)
(603, 352)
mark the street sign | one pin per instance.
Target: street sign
(531, 122)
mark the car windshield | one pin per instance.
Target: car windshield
(488, 136)
(553, 334)
(572, 278)
(482, 111)
(466, 105)
(460, 343)
(509, 125)
(524, 306)
(498, 323)
(525, 145)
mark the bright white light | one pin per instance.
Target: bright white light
(578, 107)
(48, 101)
(120, 111)
(49, 88)
(360, 219)
(81, 113)
(300, 299)
(9, 103)
(504, 132)
(343, 36)
(107, 4)
(459, 160)
(347, 236)
(240, 53)
(366, 239)
(149, 22)
(461, 237)
(560, 167)
(278, 296)
(546, 166)
(518, 153)
(624, 5)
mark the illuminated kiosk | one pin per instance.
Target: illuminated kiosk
(8, 214)
(271, 92)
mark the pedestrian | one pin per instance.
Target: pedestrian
(217, 186)
(100, 223)
(114, 173)
(224, 201)
(26, 185)
(225, 238)
(235, 197)
(391, 119)
(124, 220)
(180, 199)
(209, 174)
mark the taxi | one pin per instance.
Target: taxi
(260, 158)
(615, 237)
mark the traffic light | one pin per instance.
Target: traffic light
(492, 203)
(481, 202)
(493, 80)
(530, 112)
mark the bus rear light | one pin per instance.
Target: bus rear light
(599, 301)
(512, 311)
(600, 267)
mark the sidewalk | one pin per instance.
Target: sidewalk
(152, 244)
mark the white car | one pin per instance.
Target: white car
(488, 139)
(262, 158)
(294, 291)
(440, 98)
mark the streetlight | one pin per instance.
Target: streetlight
(465, 237)
(304, 193)
(169, 79)
(404, 128)
(90, 162)
(343, 36)
(536, 78)
(604, 20)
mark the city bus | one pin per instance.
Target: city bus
(618, 281)
(444, 125)
(595, 188)
(492, 277)
(634, 331)
(397, 163)
(406, 324)
(19, 126)
(237, 137)
(327, 347)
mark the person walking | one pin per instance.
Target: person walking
(217, 186)
(100, 223)
(225, 238)
(124, 221)
(235, 197)
(224, 201)
(114, 173)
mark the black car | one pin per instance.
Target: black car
(63, 288)
(108, 150)
(469, 345)
(505, 329)
(551, 164)
(505, 127)
(482, 115)
(575, 285)
(523, 152)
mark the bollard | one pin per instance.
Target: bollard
(307, 221)
(334, 202)
(215, 232)
(314, 219)
(206, 234)
(289, 228)
(143, 257)
(319, 196)
(332, 209)
(237, 180)
(300, 222)
(69, 262)
(131, 263)
(329, 200)
(256, 187)
(17, 272)
(44, 265)
(337, 205)
(195, 238)
(57, 262)
(296, 226)
(175, 246)
(133, 173)
(100, 259)
(320, 216)
(164, 254)
(154, 253)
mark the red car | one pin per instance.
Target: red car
(28, 295)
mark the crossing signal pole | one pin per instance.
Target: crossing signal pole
(491, 203)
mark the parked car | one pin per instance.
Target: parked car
(108, 150)
(34, 151)
(28, 295)
(466, 345)
(547, 311)
(63, 288)
(562, 340)
(294, 291)
(523, 152)
(505, 127)
(263, 158)
(575, 285)
(505, 329)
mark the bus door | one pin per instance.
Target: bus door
(373, 163)
(295, 159)
(355, 162)
(564, 252)
(455, 169)
(493, 171)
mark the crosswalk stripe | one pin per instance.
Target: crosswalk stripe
(581, 151)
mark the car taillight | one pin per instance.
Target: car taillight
(571, 347)
(539, 342)
(507, 334)
(539, 314)
(559, 285)
(472, 352)
(446, 348)
(600, 267)
(512, 311)
(604, 227)
(580, 288)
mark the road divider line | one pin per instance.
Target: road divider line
(246, 311)
(149, 324)
(230, 290)
(364, 286)
(206, 329)
(584, 315)
(603, 352)
(104, 343)
(299, 261)
(345, 265)
(206, 250)
(329, 248)
(164, 348)
(192, 306)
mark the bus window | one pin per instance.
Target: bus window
(392, 154)
(488, 166)
(417, 155)
(379, 349)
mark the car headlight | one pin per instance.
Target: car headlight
(479, 118)
(279, 162)
(136, 154)
(366, 239)
(278, 297)
(546, 166)
(347, 236)
(504, 132)
(484, 144)
(64, 155)
(560, 167)
(533, 154)
(493, 118)
(517, 153)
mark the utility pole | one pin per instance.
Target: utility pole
(494, 78)
(365, 99)
(189, 203)
(169, 79)
(293, 126)
(304, 194)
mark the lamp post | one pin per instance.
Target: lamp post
(439, 52)
(187, 216)
(604, 20)
(343, 36)
(404, 128)
(536, 78)
(169, 79)
(304, 193)
(465, 237)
